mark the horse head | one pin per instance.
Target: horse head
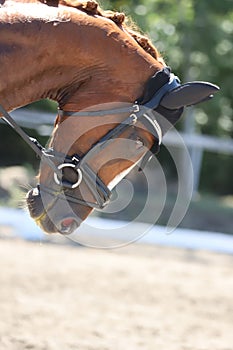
(106, 79)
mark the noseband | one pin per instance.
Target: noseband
(163, 82)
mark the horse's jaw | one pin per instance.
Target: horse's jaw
(114, 182)
(53, 213)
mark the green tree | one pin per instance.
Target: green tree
(195, 38)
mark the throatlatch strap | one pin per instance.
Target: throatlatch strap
(100, 113)
(30, 141)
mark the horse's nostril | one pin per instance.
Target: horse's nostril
(68, 225)
(67, 222)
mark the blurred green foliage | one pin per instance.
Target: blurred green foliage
(195, 37)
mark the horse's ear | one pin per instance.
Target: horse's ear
(189, 94)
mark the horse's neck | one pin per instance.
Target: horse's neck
(84, 61)
(28, 64)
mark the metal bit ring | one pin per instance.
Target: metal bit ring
(69, 165)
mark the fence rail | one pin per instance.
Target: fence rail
(196, 143)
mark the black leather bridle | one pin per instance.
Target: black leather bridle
(142, 110)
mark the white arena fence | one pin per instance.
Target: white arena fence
(22, 226)
(196, 143)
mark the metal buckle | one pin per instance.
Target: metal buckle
(136, 108)
(134, 118)
(133, 115)
(75, 160)
(68, 184)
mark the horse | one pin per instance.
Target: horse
(116, 99)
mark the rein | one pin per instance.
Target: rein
(58, 161)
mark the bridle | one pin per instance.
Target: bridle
(59, 161)
(138, 112)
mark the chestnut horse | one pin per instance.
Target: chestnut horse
(105, 77)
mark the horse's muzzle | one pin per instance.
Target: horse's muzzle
(48, 216)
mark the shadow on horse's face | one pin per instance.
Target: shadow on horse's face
(48, 203)
(61, 202)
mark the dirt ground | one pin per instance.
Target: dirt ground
(62, 297)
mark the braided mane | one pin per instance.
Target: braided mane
(92, 7)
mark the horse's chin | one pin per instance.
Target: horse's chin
(50, 217)
(64, 226)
